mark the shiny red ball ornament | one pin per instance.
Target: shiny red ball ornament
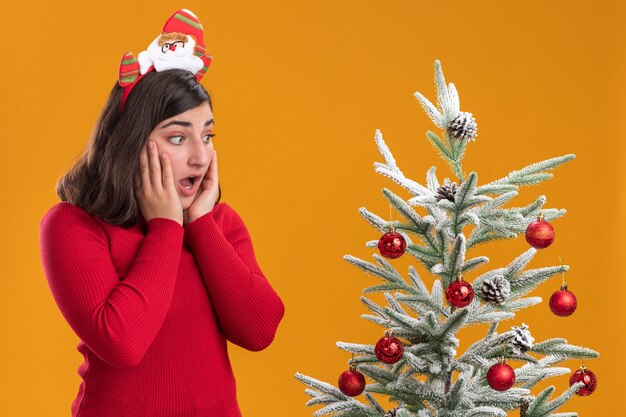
(351, 382)
(587, 377)
(501, 377)
(540, 233)
(563, 302)
(392, 245)
(389, 349)
(459, 293)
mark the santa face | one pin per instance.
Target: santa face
(170, 51)
(170, 48)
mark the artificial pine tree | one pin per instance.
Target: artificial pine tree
(416, 364)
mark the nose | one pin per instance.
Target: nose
(200, 153)
(172, 48)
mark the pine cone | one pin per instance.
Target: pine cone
(463, 127)
(447, 191)
(496, 290)
(391, 413)
(523, 340)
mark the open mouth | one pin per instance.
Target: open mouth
(189, 182)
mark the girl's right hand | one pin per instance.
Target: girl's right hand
(154, 186)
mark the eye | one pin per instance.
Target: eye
(176, 137)
(208, 137)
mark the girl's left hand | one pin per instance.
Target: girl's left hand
(206, 196)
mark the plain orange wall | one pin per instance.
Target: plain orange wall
(299, 89)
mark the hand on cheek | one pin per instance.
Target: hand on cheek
(206, 196)
(154, 186)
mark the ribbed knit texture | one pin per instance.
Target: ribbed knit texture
(153, 306)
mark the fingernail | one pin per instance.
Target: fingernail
(151, 144)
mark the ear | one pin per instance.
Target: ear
(206, 60)
(129, 69)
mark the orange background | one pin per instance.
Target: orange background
(299, 89)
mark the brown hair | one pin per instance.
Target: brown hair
(101, 181)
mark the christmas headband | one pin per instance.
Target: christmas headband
(180, 45)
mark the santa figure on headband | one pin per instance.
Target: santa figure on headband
(180, 45)
(176, 46)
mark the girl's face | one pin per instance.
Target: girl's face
(186, 139)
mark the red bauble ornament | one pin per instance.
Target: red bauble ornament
(540, 233)
(460, 293)
(587, 377)
(351, 382)
(392, 245)
(563, 302)
(389, 349)
(501, 377)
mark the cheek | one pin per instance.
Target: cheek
(177, 163)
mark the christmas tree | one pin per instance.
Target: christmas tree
(416, 363)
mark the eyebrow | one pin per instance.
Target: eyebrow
(184, 124)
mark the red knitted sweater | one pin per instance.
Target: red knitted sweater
(153, 306)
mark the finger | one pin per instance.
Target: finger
(213, 167)
(207, 175)
(168, 175)
(137, 182)
(143, 166)
(211, 182)
(217, 182)
(155, 167)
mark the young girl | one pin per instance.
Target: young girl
(149, 270)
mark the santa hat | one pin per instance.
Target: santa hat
(184, 21)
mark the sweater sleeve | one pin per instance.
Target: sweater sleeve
(248, 308)
(116, 318)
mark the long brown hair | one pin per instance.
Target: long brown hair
(101, 181)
